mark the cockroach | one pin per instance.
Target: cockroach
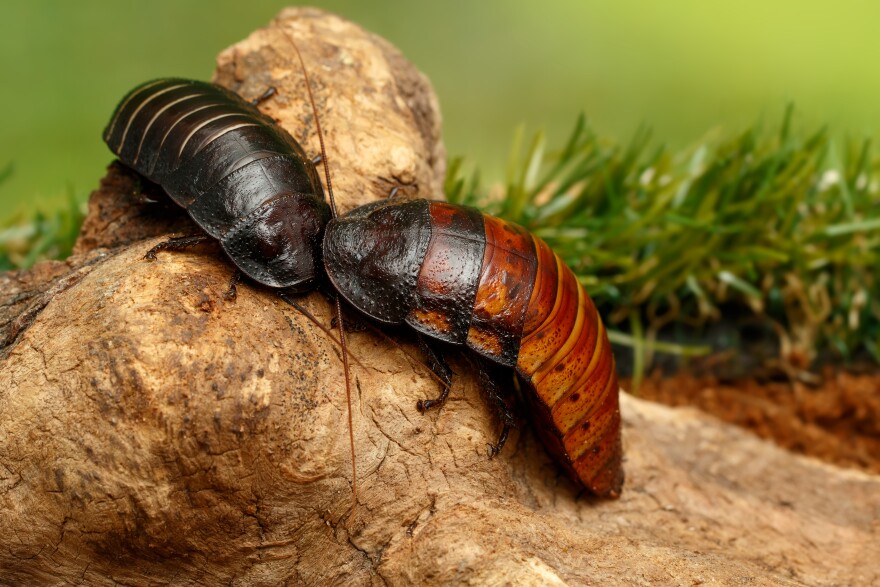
(463, 277)
(242, 178)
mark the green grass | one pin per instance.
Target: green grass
(24, 240)
(783, 222)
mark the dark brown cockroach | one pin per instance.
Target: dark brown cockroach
(466, 278)
(241, 177)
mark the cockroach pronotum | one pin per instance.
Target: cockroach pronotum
(466, 278)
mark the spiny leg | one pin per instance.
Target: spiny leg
(178, 243)
(494, 449)
(440, 367)
(270, 91)
(399, 188)
(232, 291)
(502, 401)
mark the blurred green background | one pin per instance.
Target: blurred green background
(684, 67)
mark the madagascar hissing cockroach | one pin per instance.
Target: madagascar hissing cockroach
(466, 278)
(241, 177)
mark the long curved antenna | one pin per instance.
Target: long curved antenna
(333, 208)
(335, 213)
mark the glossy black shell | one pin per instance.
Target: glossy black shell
(373, 256)
(240, 176)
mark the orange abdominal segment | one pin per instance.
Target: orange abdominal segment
(447, 281)
(565, 357)
(503, 291)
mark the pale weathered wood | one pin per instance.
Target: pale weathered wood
(153, 433)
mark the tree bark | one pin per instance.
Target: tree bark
(152, 432)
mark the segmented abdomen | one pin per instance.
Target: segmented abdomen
(502, 291)
(565, 356)
(241, 177)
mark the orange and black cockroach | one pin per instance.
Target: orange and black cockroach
(466, 278)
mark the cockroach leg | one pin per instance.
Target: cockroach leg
(178, 243)
(502, 402)
(494, 449)
(232, 291)
(440, 367)
(270, 91)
